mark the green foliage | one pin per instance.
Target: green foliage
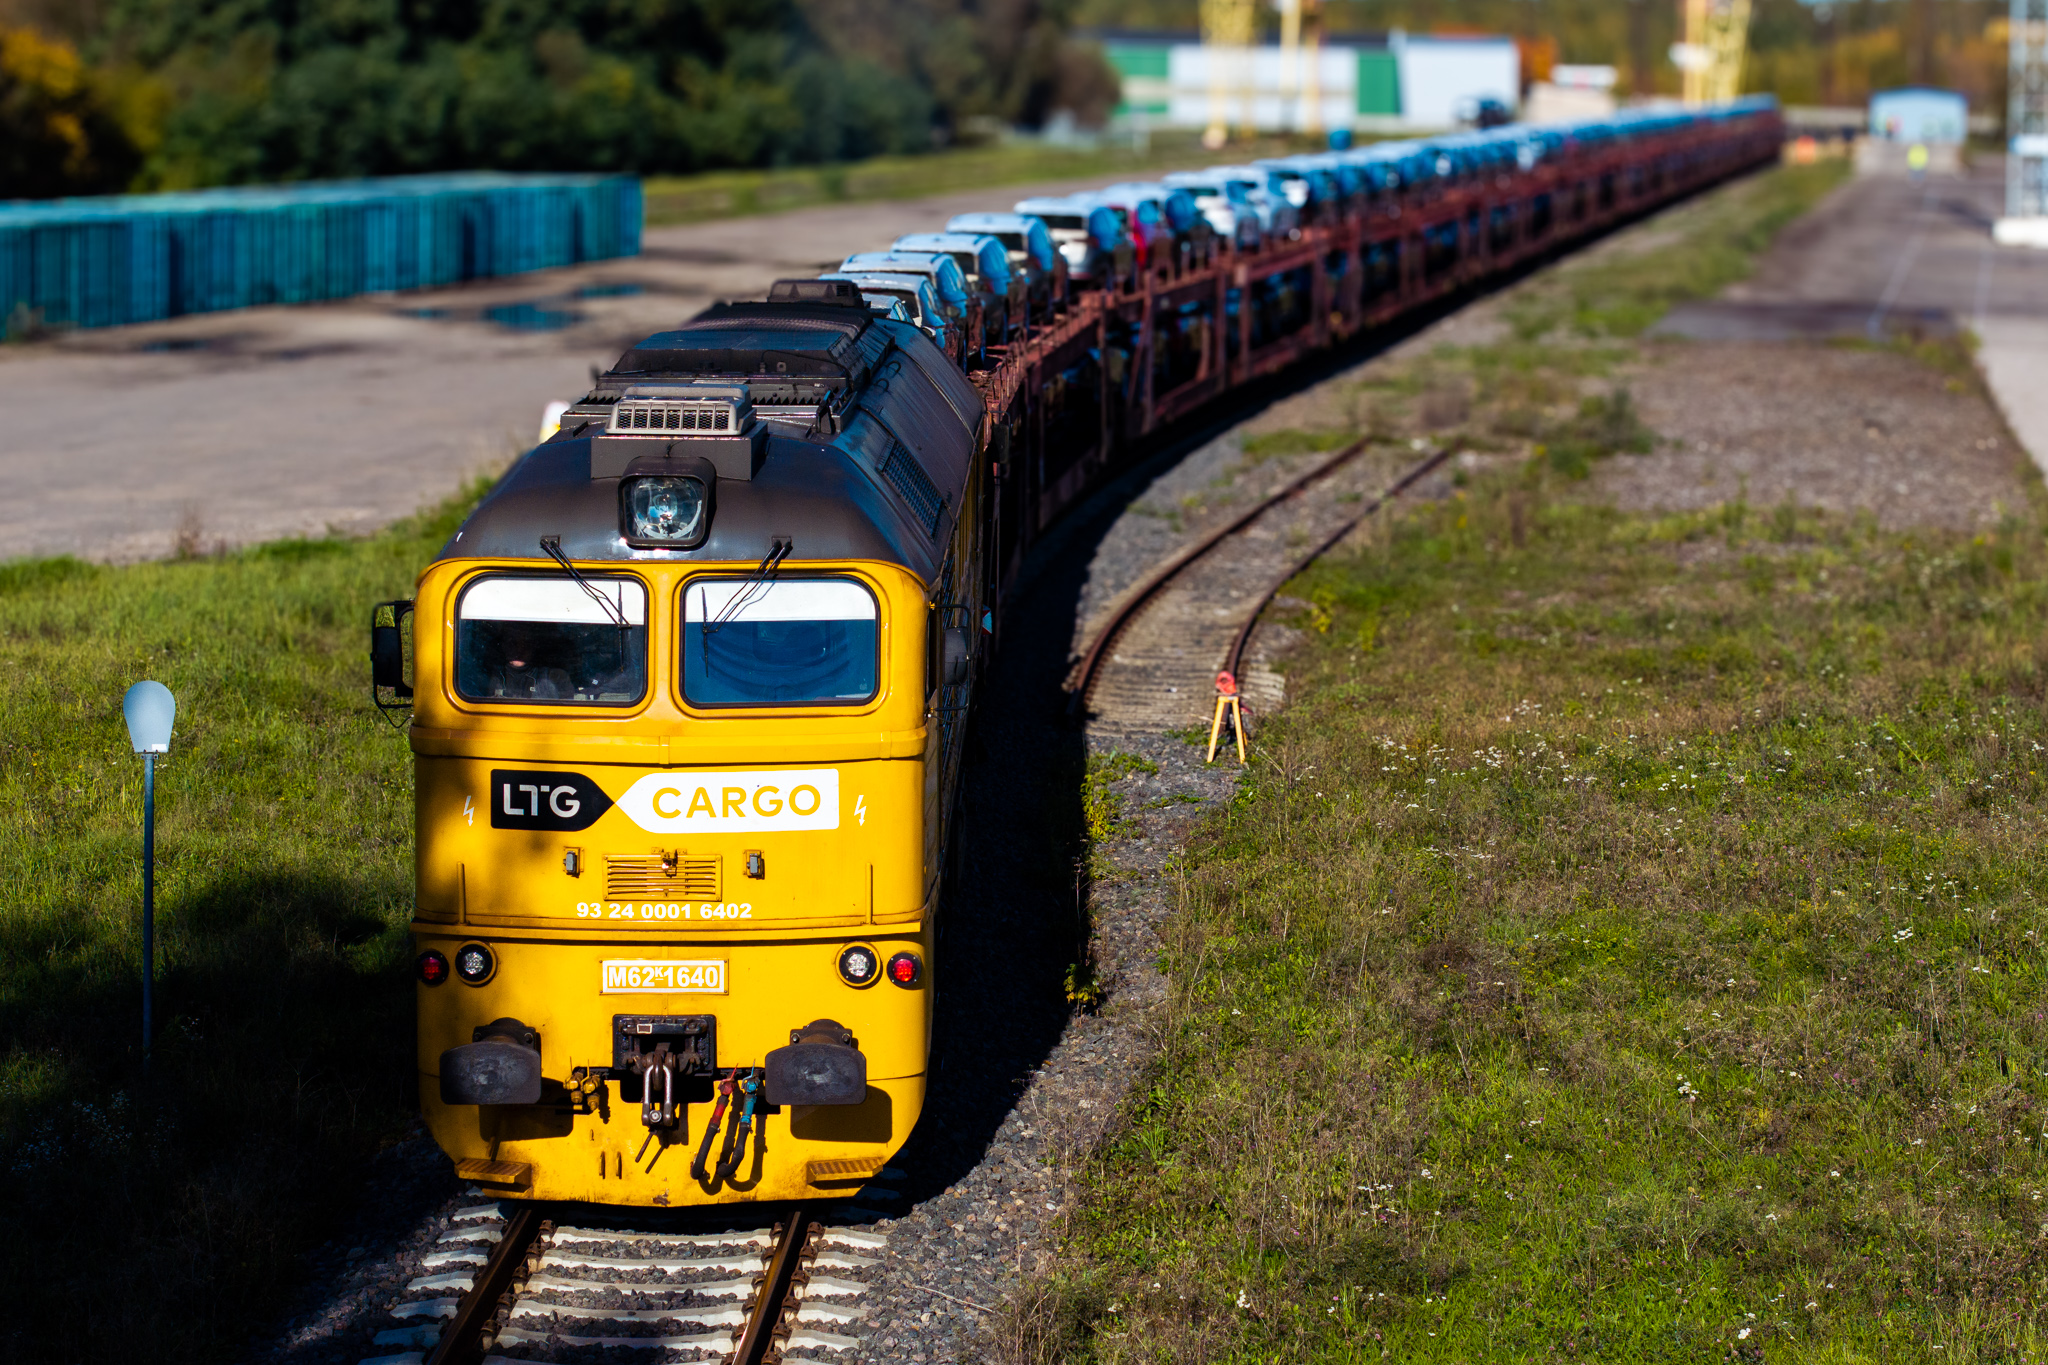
(60, 127)
(229, 91)
(1606, 424)
(284, 846)
(1102, 807)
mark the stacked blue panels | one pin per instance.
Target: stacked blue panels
(138, 258)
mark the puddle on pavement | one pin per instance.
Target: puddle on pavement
(532, 317)
(553, 313)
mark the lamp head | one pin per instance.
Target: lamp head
(149, 709)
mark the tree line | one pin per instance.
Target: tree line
(100, 95)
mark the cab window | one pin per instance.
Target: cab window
(547, 640)
(780, 642)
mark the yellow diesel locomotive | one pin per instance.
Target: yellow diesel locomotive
(688, 691)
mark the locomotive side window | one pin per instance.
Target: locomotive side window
(547, 640)
(780, 642)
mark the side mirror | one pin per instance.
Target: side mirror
(957, 654)
(388, 655)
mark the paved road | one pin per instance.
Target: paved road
(268, 422)
(1885, 252)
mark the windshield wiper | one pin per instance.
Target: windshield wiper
(756, 583)
(552, 545)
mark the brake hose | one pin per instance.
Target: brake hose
(725, 1090)
(736, 1150)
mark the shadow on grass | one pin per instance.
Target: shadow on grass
(155, 1207)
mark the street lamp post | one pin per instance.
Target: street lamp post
(149, 709)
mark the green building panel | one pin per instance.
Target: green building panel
(1379, 82)
(1146, 60)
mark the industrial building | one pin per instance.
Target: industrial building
(1392, 82)
(1917, 114)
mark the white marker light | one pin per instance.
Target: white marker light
(150, 709)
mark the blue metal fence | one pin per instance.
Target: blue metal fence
(138, 258)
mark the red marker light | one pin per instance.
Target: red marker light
(433, 968)
(905, 969)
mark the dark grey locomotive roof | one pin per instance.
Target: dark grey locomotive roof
(871, 437)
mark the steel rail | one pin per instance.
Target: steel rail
(1235, 659)
(758, 1340)
(1137, 598)
(461, 1342)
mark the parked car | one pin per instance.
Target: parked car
(955, 300)
(1099, 252)
(1277, 214)
(1484, 112)
(1163, 223)
(986, 266)
(1321, 188)
(1226, 205)
(1032, 254)
(915, 295)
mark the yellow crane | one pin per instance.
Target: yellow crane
(1710, 58)
(1227, 28)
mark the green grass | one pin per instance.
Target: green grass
(1718, 237)
(1627, 945)
(1636, 953)
(728, 194)
(168, 1208)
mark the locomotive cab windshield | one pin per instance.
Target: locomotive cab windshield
(527, 639)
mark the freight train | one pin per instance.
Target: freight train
(689, 686)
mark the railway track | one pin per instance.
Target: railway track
(507, 1283)
(1150, 664)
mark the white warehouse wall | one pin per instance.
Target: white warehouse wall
(1437, 73)
(1188, 76)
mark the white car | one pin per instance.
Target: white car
(1267, 190)
(1226, 204)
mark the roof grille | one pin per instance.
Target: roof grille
(907, 477)
(702, 409)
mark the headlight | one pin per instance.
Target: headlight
(665, 510)
(475, 964)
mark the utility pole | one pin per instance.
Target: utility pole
(2026, 186)
(1642, 75)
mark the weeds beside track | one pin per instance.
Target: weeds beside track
(1628, 945)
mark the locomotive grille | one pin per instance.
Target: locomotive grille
(670, 414)
(656, 875)
(908, 478)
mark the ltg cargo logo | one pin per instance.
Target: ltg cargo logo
(670, 803)
(538, 800)
(734, 803)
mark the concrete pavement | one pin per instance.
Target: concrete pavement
(1891, 249)
(227, 428)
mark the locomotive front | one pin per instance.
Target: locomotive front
(682, 770)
